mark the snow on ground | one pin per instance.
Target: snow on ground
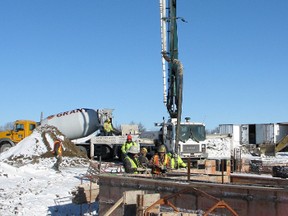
(36, 189)
(28, 185)
(219, 148)
(223, 147)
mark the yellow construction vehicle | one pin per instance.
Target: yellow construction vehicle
(21, 129)
(281, 144)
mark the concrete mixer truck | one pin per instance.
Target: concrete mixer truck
(84, 127)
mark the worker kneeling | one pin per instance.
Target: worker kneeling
(160, 162)
(131, 162)
(175, 161)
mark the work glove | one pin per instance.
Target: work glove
(139, 169)
(163, 169)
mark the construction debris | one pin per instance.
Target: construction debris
(85, 193)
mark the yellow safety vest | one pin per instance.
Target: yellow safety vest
(133, 164)
(127, 146)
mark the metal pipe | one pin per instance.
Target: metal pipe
(222, 167)
(163, 45)
(189, 169)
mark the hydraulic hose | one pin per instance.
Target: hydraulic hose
(179, 99)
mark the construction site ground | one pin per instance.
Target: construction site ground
(30, 186)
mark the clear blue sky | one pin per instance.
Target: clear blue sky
(59, 55)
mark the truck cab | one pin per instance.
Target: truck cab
(192, 138)
(21, 130)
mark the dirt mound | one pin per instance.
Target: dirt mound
(39, 145)
(69, 149)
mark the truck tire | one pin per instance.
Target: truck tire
(5, 147)
(83, 149)
(280, 171)
(104, 151)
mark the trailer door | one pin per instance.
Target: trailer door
(244, 134)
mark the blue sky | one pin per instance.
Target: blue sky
(59, 55)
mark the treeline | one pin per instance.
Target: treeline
(213, 131)
(7, 126)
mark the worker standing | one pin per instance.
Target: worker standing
(108, 129)
(175, 161)
(160, 162)
(127, 145)
(131, 162)
(57, 151)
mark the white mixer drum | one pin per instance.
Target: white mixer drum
(76, 123)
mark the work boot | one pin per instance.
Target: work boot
(55, 167)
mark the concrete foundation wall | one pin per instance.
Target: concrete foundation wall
(245, 200)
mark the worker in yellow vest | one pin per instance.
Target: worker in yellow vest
(131, 162)
(175, 161)
(127, 145)
(108, 128)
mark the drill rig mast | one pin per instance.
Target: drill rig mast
(169, 41)
(187, 139)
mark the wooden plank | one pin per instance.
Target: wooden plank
(119, 202)
(130, 197)
(146, 200)
(177, 214)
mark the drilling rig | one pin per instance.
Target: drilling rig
(184, 138)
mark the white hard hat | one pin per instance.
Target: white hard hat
(133, 150)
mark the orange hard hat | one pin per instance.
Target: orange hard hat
(129, 137)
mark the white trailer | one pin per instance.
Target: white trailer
(270, 133)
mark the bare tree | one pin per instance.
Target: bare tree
(141, 127)
(7, 126)
(213, 131)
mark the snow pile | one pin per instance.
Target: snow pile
(28, 185)
(219, 148)
(39, 145)
(223, 147)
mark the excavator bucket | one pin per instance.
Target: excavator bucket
(282, 144)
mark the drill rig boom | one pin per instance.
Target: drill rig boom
(169, 40)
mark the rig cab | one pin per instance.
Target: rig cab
(192, 138)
